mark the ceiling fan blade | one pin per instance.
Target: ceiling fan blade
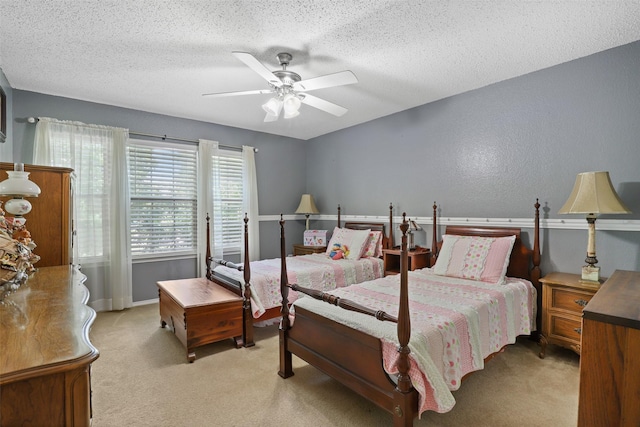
(245, 92)
(330, 80)
(258, 67)
(321, 104)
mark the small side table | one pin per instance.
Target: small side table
(417, 259)
(564, 296)
(306, 250)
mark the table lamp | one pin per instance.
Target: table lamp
(18, 186)
(593, 194)
(307, 207)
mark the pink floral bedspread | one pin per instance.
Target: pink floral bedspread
(455, 324)
(316, 271)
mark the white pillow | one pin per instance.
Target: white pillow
(347, 243)
(476, 258)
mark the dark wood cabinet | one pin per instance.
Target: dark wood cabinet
(49, 222)
(610, 360)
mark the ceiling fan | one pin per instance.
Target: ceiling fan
(289, 88)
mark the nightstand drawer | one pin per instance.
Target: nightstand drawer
(569, 300)
(565, 328)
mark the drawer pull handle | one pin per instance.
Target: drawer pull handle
(578, 330)
(581, 302)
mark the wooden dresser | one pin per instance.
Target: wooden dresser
(49, 222)
(610, 361)
(45, 352)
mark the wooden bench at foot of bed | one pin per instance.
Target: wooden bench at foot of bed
(200, 312)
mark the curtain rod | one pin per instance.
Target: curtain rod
(164, 137)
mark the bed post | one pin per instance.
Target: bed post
(535, 271)
(434, 240)
(404, 397)
(286, 368)
(207, 256)
(391, 240)
(247, 317)
(338, 215)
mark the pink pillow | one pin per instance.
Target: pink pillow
(374, 245)
(351, 243)
(484, 259)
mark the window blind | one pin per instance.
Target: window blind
(229, 170)
(163, 192)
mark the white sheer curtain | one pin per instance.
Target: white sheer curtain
(97, 154)
(209, 203)
(250, 201)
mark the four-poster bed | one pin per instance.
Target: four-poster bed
(258, 282)
(341, 338)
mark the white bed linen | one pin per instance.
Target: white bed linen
(316, 271)
(455, 323)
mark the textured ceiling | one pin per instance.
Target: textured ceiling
(161, 56)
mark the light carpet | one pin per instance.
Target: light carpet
(142, 378)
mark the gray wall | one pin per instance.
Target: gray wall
(491, 152)
(487, 153)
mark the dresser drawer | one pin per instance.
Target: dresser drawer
(569, 300)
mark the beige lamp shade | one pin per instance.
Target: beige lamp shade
(307, 205)
(593, 193)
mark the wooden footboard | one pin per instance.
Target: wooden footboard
(345, 354)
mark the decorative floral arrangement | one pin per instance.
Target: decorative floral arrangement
(16, 254)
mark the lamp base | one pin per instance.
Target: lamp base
(590, 274)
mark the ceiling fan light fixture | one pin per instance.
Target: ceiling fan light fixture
(272, 107)
(291, 106)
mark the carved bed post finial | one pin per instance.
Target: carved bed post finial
(338, 215)
(404, 322)
(207, 256)
(286, 365)
(434, 240)
(247, 324)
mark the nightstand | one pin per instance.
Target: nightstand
(306, 250)
(564, 296)
(417, 259)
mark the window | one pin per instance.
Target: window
(229, 170)
(163, 192)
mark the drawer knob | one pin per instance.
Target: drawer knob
(581, 302)
(578, 330)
